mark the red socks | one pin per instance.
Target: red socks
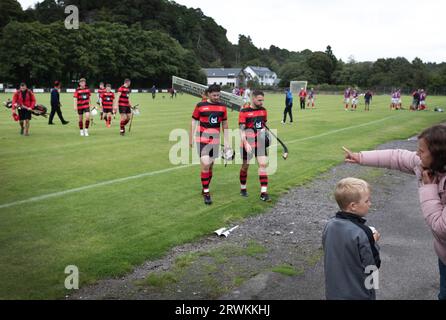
(243, 179)
(205, 181)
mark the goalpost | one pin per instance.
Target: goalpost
(296, 86)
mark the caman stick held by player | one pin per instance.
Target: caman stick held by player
(285, 149)
(133, 113)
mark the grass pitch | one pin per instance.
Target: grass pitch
(107, 229)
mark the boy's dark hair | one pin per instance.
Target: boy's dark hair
(214, 88)
(256, 93)
(436, 140)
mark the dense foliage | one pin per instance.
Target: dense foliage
(152, 40)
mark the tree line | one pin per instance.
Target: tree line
(152, 40)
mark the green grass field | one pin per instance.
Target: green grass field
(107, 230)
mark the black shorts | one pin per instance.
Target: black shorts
(257, 152)
(107, 110)
(24, 114)
(211, 150)
(125, 110)
(82, 111)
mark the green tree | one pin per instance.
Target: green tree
(9, 10)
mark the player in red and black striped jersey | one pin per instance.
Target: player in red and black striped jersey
(252, 121)
(207, 119)
(123, 102)
(82, 106)
(101, 90)
(107, 99)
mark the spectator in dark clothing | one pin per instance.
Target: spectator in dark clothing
(55, 104)
(288, 106)
(368, 98)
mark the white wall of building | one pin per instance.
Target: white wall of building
(267, 80)
(223, 81)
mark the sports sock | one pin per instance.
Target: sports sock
(205, 181)
(87, 124)
(263, 183)
(81, 125)
(243, 179)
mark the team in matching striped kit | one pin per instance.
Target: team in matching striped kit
(108, 103)
(209, 117)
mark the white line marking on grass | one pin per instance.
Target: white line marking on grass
(153, 173)
(339, 130)
(91, 186)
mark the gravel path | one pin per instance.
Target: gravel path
(278, 255)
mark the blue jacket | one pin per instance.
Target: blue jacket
(289, 98)
(55, 99)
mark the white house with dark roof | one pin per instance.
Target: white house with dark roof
(264, 75)
(233, 77)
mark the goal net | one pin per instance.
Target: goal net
(296, 86)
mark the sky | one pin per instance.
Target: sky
(358, 29)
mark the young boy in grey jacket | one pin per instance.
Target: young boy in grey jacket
(351, 255)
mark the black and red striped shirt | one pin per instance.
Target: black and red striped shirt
(83, 98)
(210, 115)
(107, 99)
(253, 121)
(101, 92)
(124, 98)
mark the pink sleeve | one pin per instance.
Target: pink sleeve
(433, 211)
(403, 160)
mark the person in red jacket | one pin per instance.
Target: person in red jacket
(24, 101)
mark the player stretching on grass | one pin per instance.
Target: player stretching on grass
(107, 99)
(82, 106)
(252, 120)
(207, 119)
(123, 102)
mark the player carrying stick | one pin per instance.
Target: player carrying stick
(207, 119)
(252, 120)
(24, 101)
